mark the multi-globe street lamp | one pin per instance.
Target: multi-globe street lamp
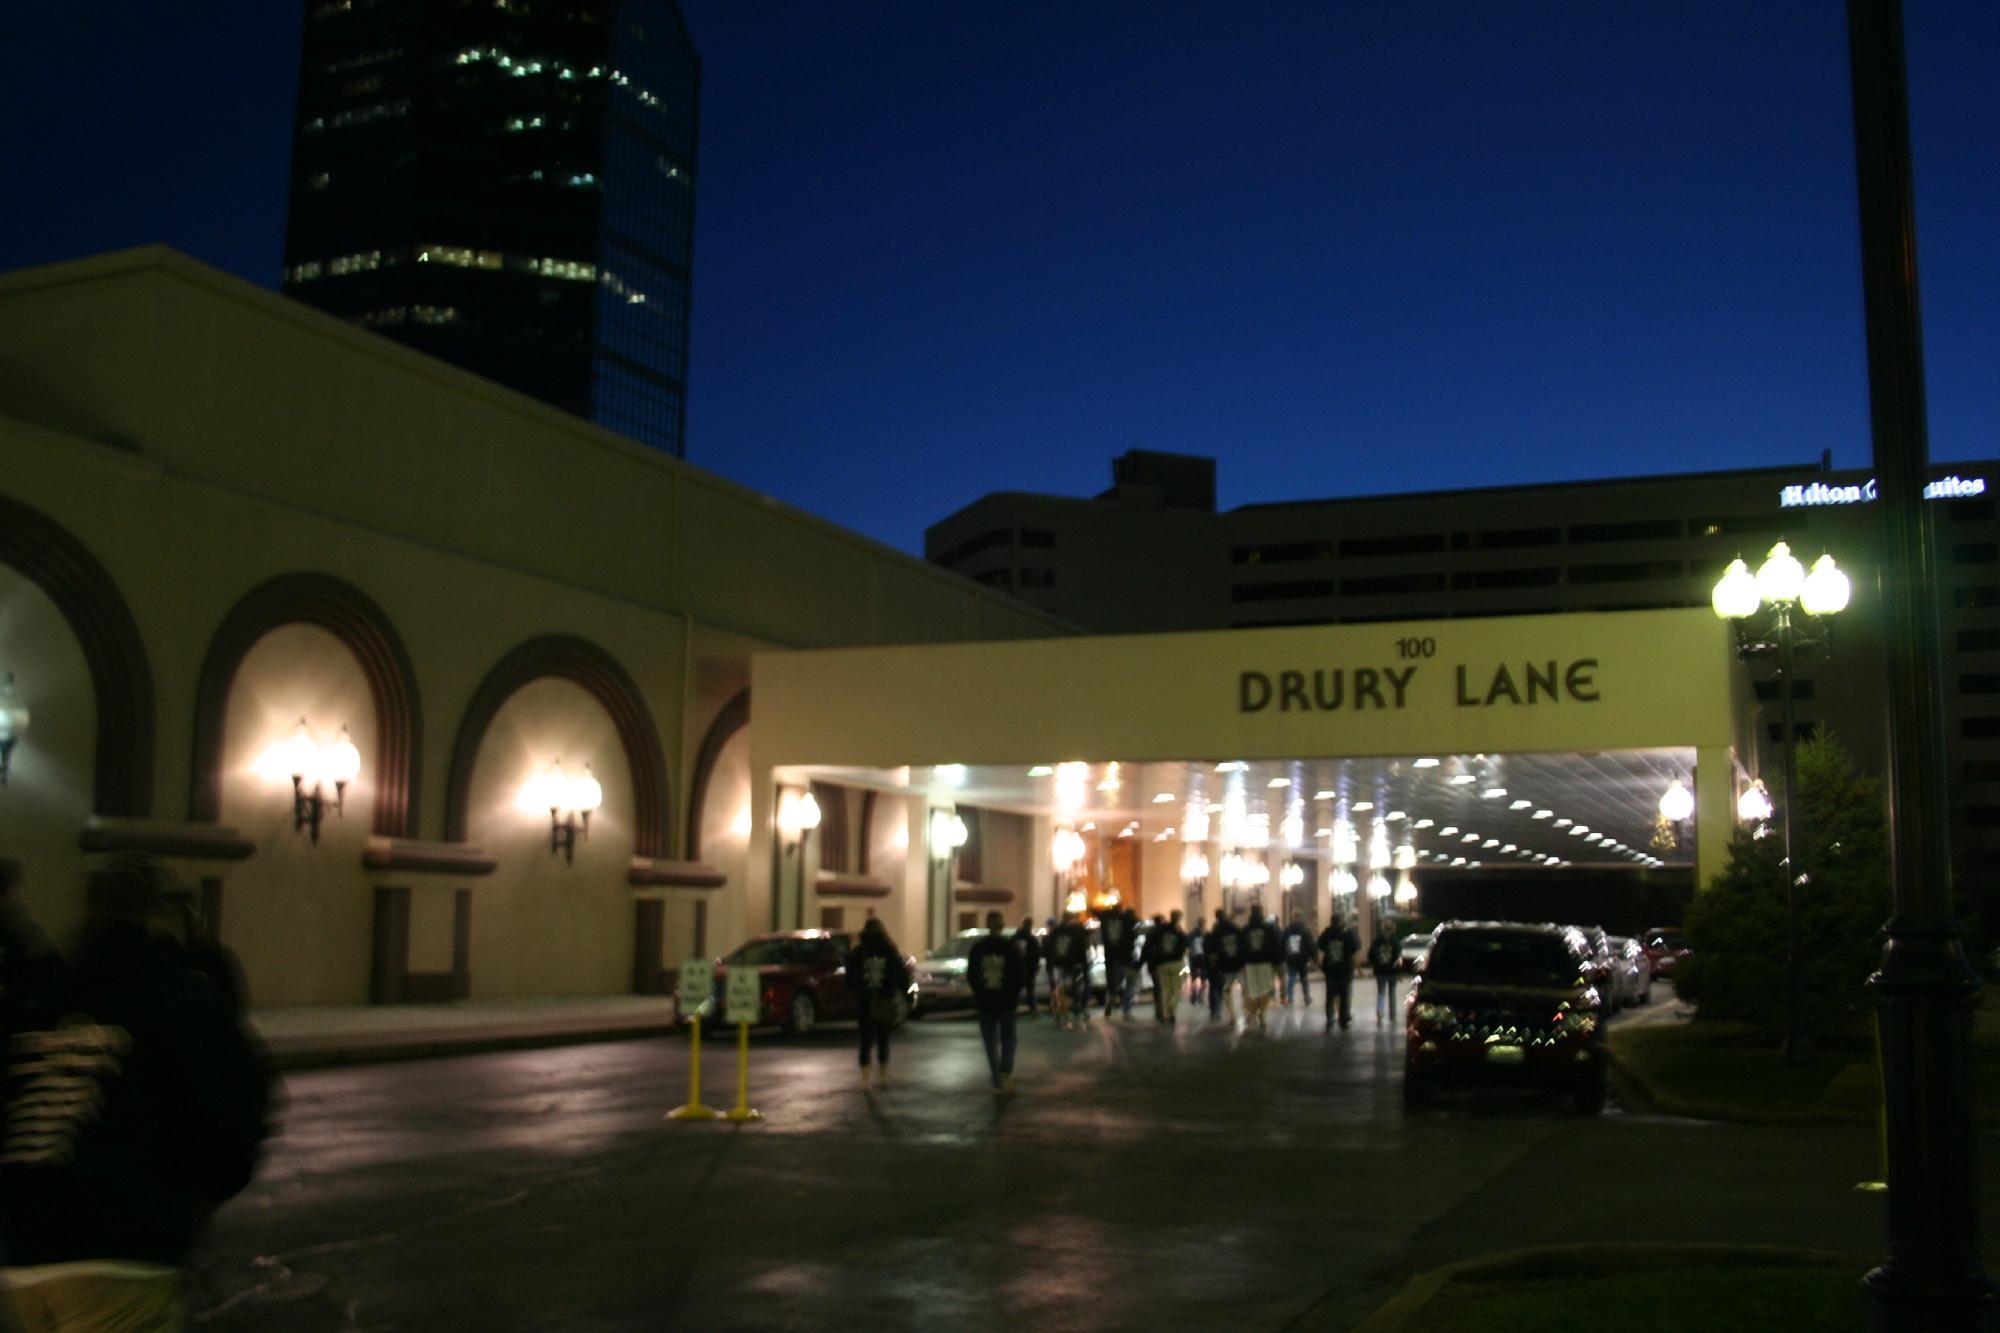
(1780, 587)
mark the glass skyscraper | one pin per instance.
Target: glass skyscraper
(509, 186)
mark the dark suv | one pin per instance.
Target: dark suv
(1505, 1003)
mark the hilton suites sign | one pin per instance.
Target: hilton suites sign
(1392, 686)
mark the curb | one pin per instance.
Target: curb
(302, 1053)
(1565, 1261)
(1667, 1103)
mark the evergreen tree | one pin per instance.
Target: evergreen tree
(1737, 925)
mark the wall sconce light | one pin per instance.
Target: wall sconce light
(798, 815)
(1293, 875)
(569, 801)
(948, 834)
(1754, 805)
(1677, 803)
(13, 721)
(313, 767)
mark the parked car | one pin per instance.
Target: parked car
(1632, 971)
(941, 982)
(1597, 960)
(1504, 1003)
(1666, 946)
(802, 979)
(1410, 956)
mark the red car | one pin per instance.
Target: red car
(802, 979)
(1666, 946)
(1506, 1003)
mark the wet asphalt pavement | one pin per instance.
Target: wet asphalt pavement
(1145, 1177)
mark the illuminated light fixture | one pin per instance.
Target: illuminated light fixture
(1215, 808)
(1164, 798)
(1424, 823)
(1563, 823)
(1090, 827)
(1065, 850)
(1345, 884)
(13, 722)
(1463, 779)
(948, 834)
(1406, 890)
(1470, 837)
(1593, 837)
(1292, 830)
(1508, 848)
(1378, 886)
(1448, 830)
(313, 768)
(1458, 860)
(1194, 866)
(1490, 842)
(1406, 856)
(1292, 875)
(1492, 793)
(1323, 795)
(1110, 782)
(1425, 763)
(1519, 805)
(1323, 832)
(570, 802)
(1232, 766)
(1578, 830)
(1195, 827)
(952, 775)
(1544, 814)
(1378, 847)
(1363, 807)
(1826, 589)
(1754, 805)
(798, 816)
(1040, 771)
(1395, 815)
(1735, 594)
(1781, 578)
(1275, 783)
(1072, 786)
(1677, 803)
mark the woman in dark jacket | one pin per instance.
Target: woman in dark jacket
(879, 980)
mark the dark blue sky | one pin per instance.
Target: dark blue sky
(949, 248)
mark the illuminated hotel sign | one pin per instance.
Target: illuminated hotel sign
(1819, 493)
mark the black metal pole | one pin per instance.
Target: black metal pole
(1926, 990)
(1798, 1046)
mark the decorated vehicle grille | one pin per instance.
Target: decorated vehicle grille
(1504, 1027)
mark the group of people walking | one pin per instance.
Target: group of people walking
(1206, 963)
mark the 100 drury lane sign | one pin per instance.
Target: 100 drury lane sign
(1356, 688)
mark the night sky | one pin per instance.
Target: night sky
(946, 248)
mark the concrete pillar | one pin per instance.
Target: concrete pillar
(1714, 811)
(1038, 876)
(760, 907)
(913, 882)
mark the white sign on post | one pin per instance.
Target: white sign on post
(744, 995)
(697, 988)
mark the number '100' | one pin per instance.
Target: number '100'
(1424, 647)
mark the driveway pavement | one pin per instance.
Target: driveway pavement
(1146, 1177)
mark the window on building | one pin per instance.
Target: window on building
(1980, 816)
(1979, 594)
(1505, 539)
(1039, 539)
(1733, 525)
(1771, 691)
(1979, 682)
(1970, 511)
(1652, 529)
(1281, 592)
(1384, 584)
(1627, 571)
(1803, 731)
(1979, 728)
(1975, 553)
(1038, 578)
(1414, 543)
(1978, 640)
(1487, 580)
(1275, 553)
(1980, 770)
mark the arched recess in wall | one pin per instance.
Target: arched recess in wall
(350, 616)
(735, 716)
(120, 678)
(583, 663)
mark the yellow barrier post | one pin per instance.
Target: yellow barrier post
(696, 982)
(741, 1111)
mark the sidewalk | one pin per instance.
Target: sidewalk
(307, 1036)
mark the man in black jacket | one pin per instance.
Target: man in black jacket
(1069, 956)
(1166, 950)
(1225, 960)
(1031, 959)
(994, 970)
(1339, 945)
(1115, 933)
(1298, 959)
(135, 1106)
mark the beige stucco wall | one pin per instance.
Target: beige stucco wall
(200, 436)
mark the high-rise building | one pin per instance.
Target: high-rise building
(509, 186)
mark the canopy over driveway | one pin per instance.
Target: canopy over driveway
(1508, 732)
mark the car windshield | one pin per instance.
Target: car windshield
(780, 953)
(959, 946)
(1497, 958)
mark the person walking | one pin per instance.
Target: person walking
(879, 979)
(1047, 945)
(135, 1106)
(1197, 952)
(1225, 960)
(996, 972)
(1261, 952)
(1382, 962)
(1069, 961)
(1166, 952)
(1298, 959)
(1114, 933)
(1031, 959)
(1339, 945)
(1135, 952)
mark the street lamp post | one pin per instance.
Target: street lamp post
(1782, 585)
